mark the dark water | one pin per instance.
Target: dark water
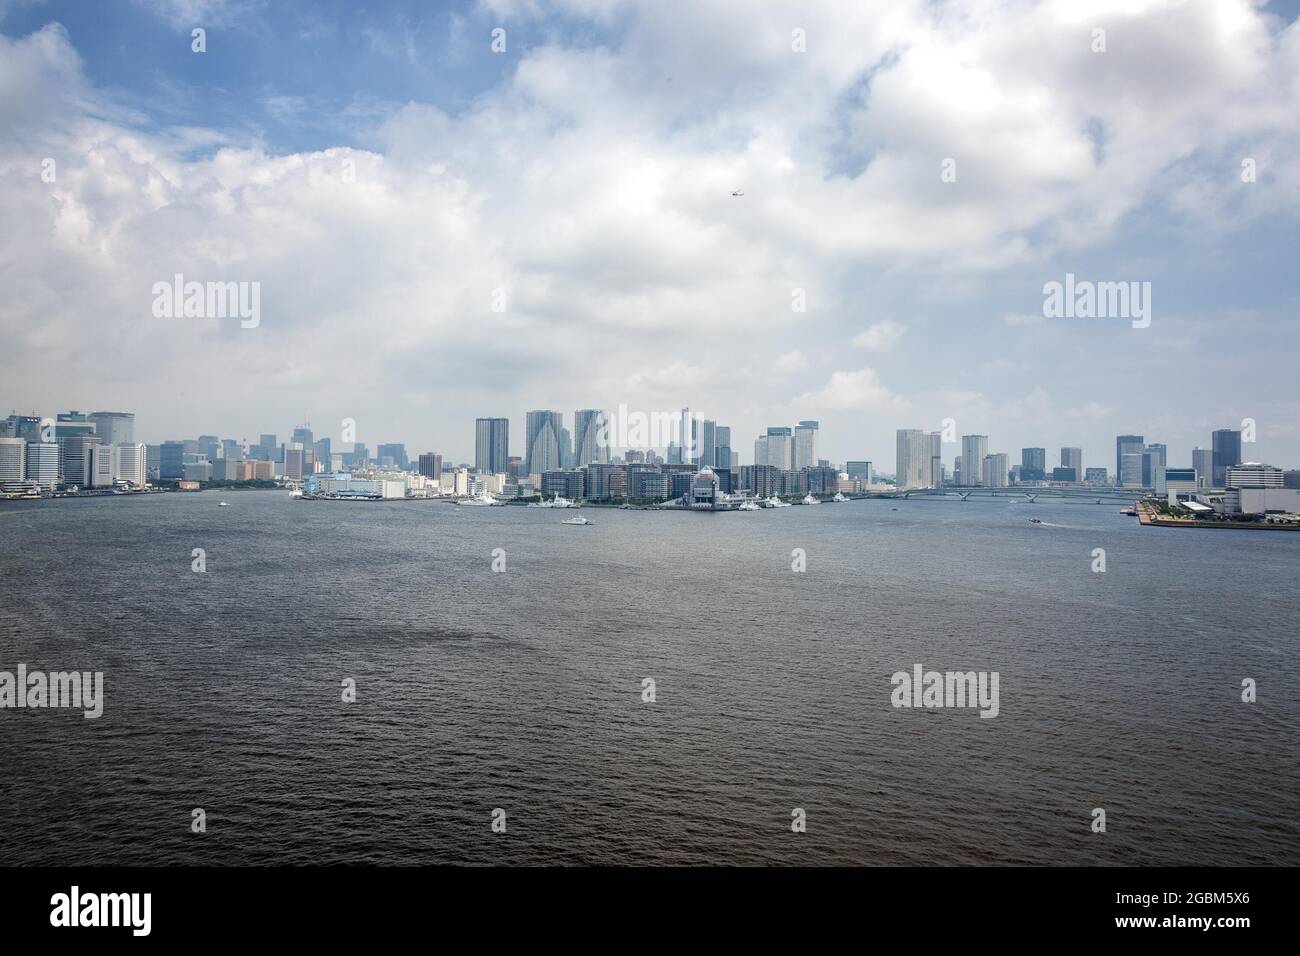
(522, 690)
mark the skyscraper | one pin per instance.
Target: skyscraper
(974, 448)
(1203, 465)
(542, 451)
(912, 458)
(780, 448)
(430, 465)
(722, 446)
(805, 444)
(43, 464)
(1073, 458)
(589, 444)
(130, 463)
(1154, 457)
(935, 477)
(171, 460)
(13, 459)
(491, 445)
(1127, 446)
(1226, 445)
(994, 472)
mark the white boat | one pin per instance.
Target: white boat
(576, 519)
(296, 493)
(839, 496)
(809, 500)
(223, 505)
(483, 499)
(775, 502)
(557, 502)
(750, 505)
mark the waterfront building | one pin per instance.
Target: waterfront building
(704, 489)
(1128, 469)
(1203, 465)
(605, 481)
(1153, 455)
(1180, 485)
(565, 483)
(171, 460)
(13, 460)
(43, 464)
(912, 457)
(859, 470)
(542, 450)
(1073, 458)
(99, 465)
(1253, 474)
(1033, 463)
(1225, 444)
(589, 441)
(491, 445)
(995, 470)
(131, 463)
(74, 459)
(198, 470)
(293, 461)
(805, 445)
(1063, 474)
(974, 449)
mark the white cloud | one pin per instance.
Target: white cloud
(880, 336)
(788, 362)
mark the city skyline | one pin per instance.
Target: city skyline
(554, 226)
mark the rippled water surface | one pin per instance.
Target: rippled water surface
(522, 690)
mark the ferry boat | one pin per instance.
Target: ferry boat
(809, 500)
(482, 499)
(577, 519)
(557, 502)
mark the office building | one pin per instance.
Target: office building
(131, 463)
(1226, 446)
(1095, 476)
(805, 445)
(1129, 450)
(1252, 474)
(114, 428)
(491, 445)
(1073, 458)
(430, 465)
(43, 464)
(171, 460)
(1203, 465)
(1033, 464)
(392, 455)
(13, 460)
(859, 470)
(1153, 456)
(722, 452)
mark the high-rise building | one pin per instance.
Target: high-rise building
(805, 445)
(43, 464)
(1127, 446)
(1252, 474)
(74, 459)
(1203, 465)
(722, 446)
(1152, 456)
(26, 427)
(935, 476)
(99, 465)
(294, 460)
(13, 460)
(1073, 458)
(430, 465)
(171, 460)
(395, 452)
(131, 463)
(542, 451)
(114, 428)
(912, 458)
(706, 433)
(1226, 445)
(780, 448)
(687, 438)
(491, 445)
(995, 470)
(590, 443)
(974, 449)
(1035, 460)
(303, 436)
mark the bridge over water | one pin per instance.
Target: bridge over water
(1080, 494)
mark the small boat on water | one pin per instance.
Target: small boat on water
(577, 519)
(1035, 520)
(839, 496)
(775, 502)
(809, 500)
(750, 504)
(483, 499)
(223, 505)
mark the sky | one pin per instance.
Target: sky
(440, 230)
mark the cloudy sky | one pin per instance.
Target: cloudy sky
(386, 177)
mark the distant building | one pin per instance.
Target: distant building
(1065, 474)
(13, 460)
(590, 441)
(1033, 463)
(704, 491)
(566, 483)
(1073, 458)
(805, 444)
(860, 470)
(491, 445)
(974, 449)
(1252, 474)
(1226, 446)
(912, 457)
(43, 464)
(1180, 485)
(1094, 476)
(131, 463)
(542, 450)
(171, 460)
(1129, 450)
(996, 468)
(395, 452)
(1203, 465)
(430, 465)
(605, 481)
(115, 428)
